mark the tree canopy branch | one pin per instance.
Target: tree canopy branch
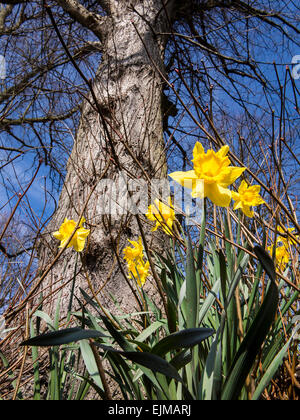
(88, 19)
(13, 2)
(105, 4)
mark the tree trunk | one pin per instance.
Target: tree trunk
(121, 126)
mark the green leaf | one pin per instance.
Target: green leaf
(191, 289)
(272, 369)
(256, 334)
(266, 261)
(181, 359)
(207, 378)
(223, 275)
(57, 313)
(66, 336)
(123, 343)
(90, 362)
(151, 361)
(202, 238)
(274, 364)
(209, 300)
(236, 278)
(85, 385)
(150, 330)
(183, 339)
(45, 317)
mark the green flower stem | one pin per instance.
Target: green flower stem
(72, 289)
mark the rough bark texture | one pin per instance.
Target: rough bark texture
(121, 129)
(124, 128)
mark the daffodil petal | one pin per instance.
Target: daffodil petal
(78, 244)
(65, 231)
(184, 178)
(83, 233)
(260, 201)
(229, 175)
(246, 210)
(63, 243)
(198, 189)
(82, 221)
(57, 235)
(155, 227)
(223, 151)
(235, 196)
(243, 187)
(150, 214)
(218, 195)
(198, 150)
(255, 188)
(237, 205)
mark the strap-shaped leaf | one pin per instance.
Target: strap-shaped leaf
(151, 361)
(182, 339)
(123, 343)
(266, 261)
(190, 304)
(66, 336)
(181, 359)
(256, 334)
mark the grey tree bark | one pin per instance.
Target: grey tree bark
(121, 130)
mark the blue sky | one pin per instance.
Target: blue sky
(15, 178)
(19, 173)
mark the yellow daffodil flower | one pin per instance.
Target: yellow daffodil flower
(137, 267)
(66, 230)
(162, 214)
(139, 271)
(211, 176)
(135, 253)
(286, 241)
(282, 256)
(246, 197)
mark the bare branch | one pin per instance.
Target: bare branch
(39, 71)
(264, 15)
(13, 2)
(105, 4)
(3, 15)
(16, 254)
(88, 19)
(42, 120)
